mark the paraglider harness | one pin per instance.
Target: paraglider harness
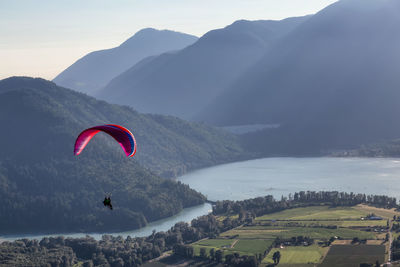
(107, 202)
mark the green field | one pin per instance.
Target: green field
(270, 232)
(216, 243)
(298, 255)
(338, 223)
(353, 255)
(252, 246)
(385, 213)
(316, 213)
(232, 217)
(243, 247)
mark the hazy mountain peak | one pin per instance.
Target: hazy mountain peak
(184, 82)
(153, 35)
(97, 68)
(353, 8)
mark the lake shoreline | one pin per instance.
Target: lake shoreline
(165, 224)
(277, 176)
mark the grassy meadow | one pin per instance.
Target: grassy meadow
(298, 255)
(316, 213)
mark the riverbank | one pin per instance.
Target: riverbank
(186, 215)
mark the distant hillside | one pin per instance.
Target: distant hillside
(184, 82)
(96, 69)
(389, 149)
(45, 188)
(331, 83)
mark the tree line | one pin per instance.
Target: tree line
(264, 205)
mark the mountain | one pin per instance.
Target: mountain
(331, 83)
(45, 188)
(95, 70)
(184, 82)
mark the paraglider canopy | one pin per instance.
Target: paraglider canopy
(122, 135)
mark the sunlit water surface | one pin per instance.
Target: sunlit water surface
(281, 176)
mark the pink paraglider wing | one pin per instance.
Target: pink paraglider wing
(132, 140)
(122, 135)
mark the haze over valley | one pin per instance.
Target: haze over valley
(274, 138)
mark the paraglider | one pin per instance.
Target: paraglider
(107, 202)
(122, 135)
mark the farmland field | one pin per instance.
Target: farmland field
(338, 223)
(353, 255)
(217, 243)
(298, 255)
(243, 247)
(270, 232)
(345, 224)
(316, 213)
(252, 246)
(386, 213)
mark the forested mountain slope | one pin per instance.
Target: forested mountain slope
(44, 187)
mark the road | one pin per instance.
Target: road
(390, 242)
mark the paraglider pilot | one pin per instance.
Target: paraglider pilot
(122, 135)
(107, 202)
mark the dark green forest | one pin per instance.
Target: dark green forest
(45, 188)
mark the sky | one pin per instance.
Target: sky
(41, 38)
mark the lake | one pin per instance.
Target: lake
(281, 176)
(277, 177)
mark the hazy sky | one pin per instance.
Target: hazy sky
(41, 38)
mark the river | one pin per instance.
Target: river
(277, 177)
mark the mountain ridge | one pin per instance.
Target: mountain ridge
(327, 83)
(91, 72)
(182, 83)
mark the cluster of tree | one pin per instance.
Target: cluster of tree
(396, 227)
(294, 241)
(235, 260)
(356, 240)
(217, 256)
(32, 253)
(264, 205)
(298, 224)
(276, 257)
(377, 264)
(327, 242)
(396, 249)
(336, 198)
